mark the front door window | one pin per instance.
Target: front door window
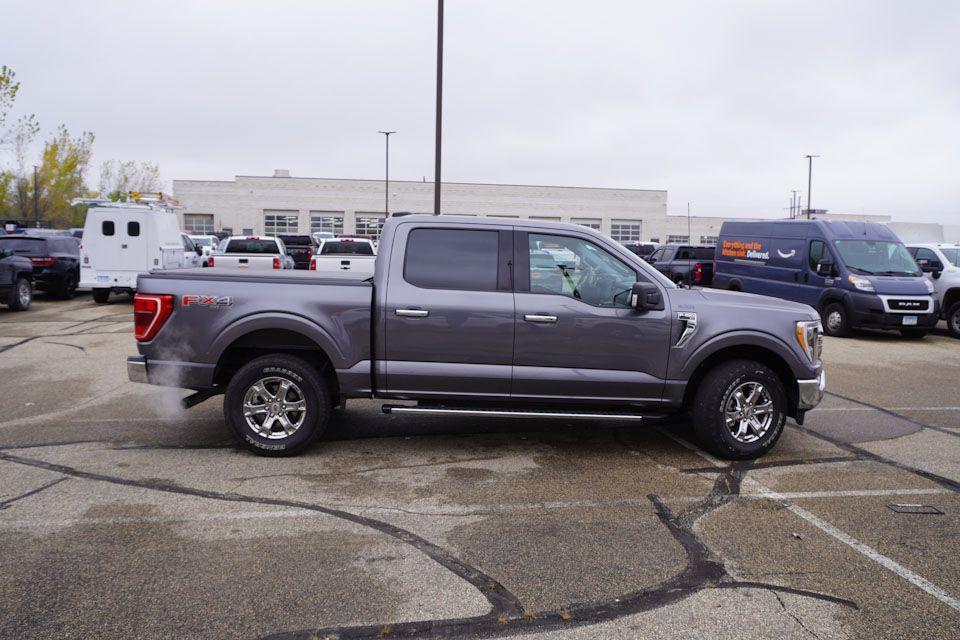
(579, 269)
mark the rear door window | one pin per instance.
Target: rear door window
(458, 259)
(106, 227)
(133, 229)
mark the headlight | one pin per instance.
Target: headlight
(929, 285)
(860, 283)
(809, 336)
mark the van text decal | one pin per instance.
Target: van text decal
(748, 250)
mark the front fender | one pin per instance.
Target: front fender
(274, 321)
(801, 368)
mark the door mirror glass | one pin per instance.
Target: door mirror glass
(645, 295)
(929, 265)
(825, 268)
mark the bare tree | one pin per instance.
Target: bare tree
(120, 177)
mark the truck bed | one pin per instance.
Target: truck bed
(283, 276)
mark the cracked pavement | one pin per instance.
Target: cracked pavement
(122, 516)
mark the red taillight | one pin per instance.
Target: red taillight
(309, 253)
(210, 261)
(149, 314)
(313, 265)
(697, 272)
(43, 262)
(276, 263)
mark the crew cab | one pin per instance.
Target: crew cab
(345, 254)
(685, 264)
(55, 260)
(255, 253)
(16, 280)
(940, 263)
(455, 320)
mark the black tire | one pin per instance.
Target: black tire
(715, 395)
(306, 383)
(67, 288)
(21, 295)
(953, 319)
(913, 334)
(837, 325)
(101, 296)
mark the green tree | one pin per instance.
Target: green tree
(63, 165)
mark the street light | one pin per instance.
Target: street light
(386, 179)
(809, 182)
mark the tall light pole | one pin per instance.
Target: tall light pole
(794, 206)
(809, 182)
(386, 178)
(436, 157)
(36, 196)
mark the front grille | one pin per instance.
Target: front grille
(908, 305)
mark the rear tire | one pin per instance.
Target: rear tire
(953, 320)
(739, 410)
(835, 320)
(101, 296)
(262, 400)
(21, 295)
(68, 288)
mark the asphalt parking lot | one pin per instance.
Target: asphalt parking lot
(122, 516)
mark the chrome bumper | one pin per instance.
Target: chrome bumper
(137, 369)
(811, 392)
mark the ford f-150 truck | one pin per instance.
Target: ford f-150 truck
(454, 319)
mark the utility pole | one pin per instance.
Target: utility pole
(386, 179)
(36, 197)
(794, 205)
(436, 161)
(809, 182)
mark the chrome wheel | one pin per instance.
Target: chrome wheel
(834, 321)
(749, 412)
(274, 407)
(24, 293)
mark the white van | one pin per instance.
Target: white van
(124, 240)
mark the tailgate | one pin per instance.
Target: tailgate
(345, 262)
(243, 261)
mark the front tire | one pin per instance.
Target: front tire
(835, 320)
(953, 319)
(21, 295)
(277, 405)
(739, 410)
(101, 296)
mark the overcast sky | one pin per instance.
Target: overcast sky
(716, 102)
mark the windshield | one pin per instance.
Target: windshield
(356, 248)
(876, 257)
(23, 245)
(253, 246)
(952, 255)
(297, 240)
(203, 241)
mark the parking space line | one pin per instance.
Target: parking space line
(888, 563)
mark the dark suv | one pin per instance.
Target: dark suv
(685, 264)
(300, 248)
(55, 259)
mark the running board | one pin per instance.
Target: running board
(511, 413)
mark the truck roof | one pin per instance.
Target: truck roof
(828, 229)
(491, 221)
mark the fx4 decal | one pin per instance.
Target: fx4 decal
(207, 301)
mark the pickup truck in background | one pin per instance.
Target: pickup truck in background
(685, 264)
(455, 320)
(940, 264)
(255, 253)
(16, 280)
(357, 255)
(300, 249)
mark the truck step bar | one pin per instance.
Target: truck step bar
(500, 412)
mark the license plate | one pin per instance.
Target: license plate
(103, 278)
(909, 321)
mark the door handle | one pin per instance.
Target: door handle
(412, 313)
(536, 317)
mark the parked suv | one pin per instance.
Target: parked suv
(685, 264)
(940, 263)
(55, 260)
(16, 277)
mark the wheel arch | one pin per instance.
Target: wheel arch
(950, 297)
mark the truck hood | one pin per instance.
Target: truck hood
(899, 285)
(752, 301)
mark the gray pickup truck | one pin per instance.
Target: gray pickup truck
(458, 318)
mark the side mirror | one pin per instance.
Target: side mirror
(825, 268)
(199, 250)
(930, 266)
(5, 253)
(645, 295)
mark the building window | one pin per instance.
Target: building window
(199, 224)
(546, 218)
(329, 221)
(671, 239)
(276, 222)
(592, 223)
(626, 230)
(369, 224)
(708, 239)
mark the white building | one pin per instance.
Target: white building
(284, 204)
